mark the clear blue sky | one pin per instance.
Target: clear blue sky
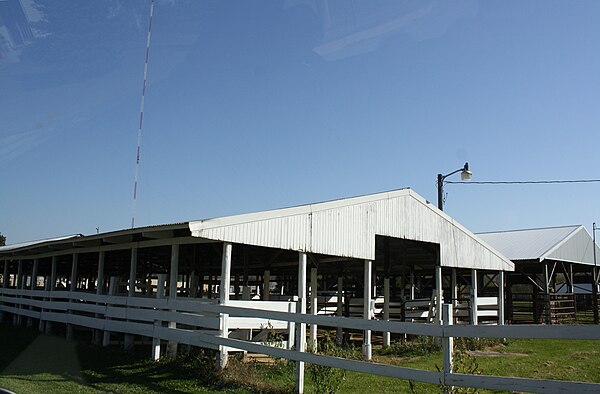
(265, 104)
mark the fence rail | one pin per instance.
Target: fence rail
(200, 321)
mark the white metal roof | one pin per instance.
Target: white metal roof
(566, 243)
(347, 228)
(20, 245)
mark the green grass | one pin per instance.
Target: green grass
(35, 363)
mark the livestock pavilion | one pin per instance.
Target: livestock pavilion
(387, 256)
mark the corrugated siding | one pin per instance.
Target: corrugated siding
(349, 230)
(577, 248)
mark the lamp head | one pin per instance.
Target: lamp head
(466, 175)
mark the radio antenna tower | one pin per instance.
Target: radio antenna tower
(139, 134)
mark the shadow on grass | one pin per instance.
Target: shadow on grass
(29, 356)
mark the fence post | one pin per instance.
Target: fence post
(112, 289)
(160, 293)
(447, 346)
(301, 327)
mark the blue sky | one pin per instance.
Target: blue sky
(260, 105)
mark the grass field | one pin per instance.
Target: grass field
(32, 363)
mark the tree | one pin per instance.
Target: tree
(2, 240)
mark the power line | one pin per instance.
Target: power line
(525, 182)
(139, 135)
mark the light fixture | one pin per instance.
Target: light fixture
(465, 175)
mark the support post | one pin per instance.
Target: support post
(128, 340)
(5, 275)
(367, 295)
(447, 347)
(224, 300)
(501, 316)
(595, 294)
(313, 306)
(339, 334)
(474, 301)
(72, 288)
(439, 299)
(160, 293)
(19, 285)
(386, 309)
(51, 287)
(33, 286)
(547, 294)
(112, 289)
(301, 328)
(173, 275)
(454, 285)
(266, 285)
(99, 289)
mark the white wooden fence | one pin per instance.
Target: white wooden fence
(200, 321)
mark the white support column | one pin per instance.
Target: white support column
(173, 275)
(51, 288)
(454, 289)
(130, 338)
(301, 328)
(33, 286)
(501, 298)
(447, 345)
(3, 285)
(367, 288)
(439, 295)
(19, 281)
(72, 288)
(160, 293)
(222, 356)
(386, 309)
(112, 289)
(34, 274)
(412, 284)
(340, 309)
(474, 295)
(99, 288)
(5, 275)
(266, 291)
(313, 306)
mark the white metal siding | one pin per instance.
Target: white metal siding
(348, 228)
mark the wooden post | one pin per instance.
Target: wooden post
(447, 346)
(160, 293)
(386, 309)
(367, 289)
(112, 289)
(72, 288)
(474, 294)
(173, 275)
(339, 335)
(301, 328)
(313, 306)
(222, 356)
(501, 315)
(19, 285)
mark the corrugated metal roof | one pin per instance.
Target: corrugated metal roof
(565, 243)
(347, 228)
(28, 244)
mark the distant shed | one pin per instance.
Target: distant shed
(551, 264)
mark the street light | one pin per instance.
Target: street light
(465, 175)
